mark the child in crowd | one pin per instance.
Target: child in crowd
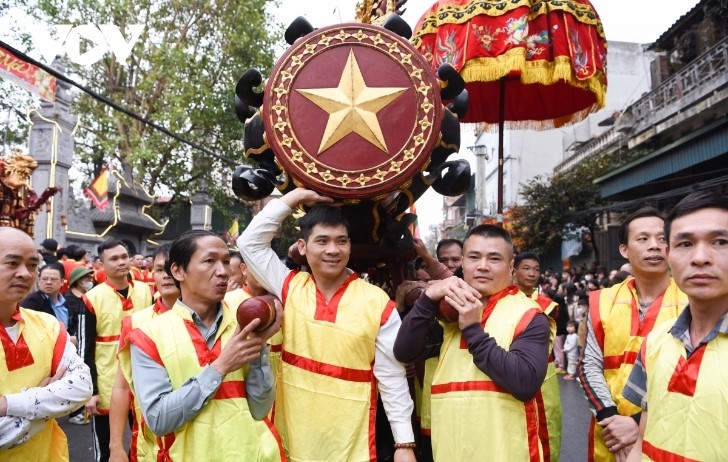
(571, 349)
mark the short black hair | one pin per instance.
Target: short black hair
(491, 231)
(573, 324)
(642, 212)
(54, 266)
(109, 244)
(182, 249)
(76, 252)
(525, 256)
(447, 243)
(706, 199)
(162, 250)
(324, 215)
(236, 254)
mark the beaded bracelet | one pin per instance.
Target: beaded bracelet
(405, 445)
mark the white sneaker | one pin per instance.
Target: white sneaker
(78, 419)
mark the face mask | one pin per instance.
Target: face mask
(86, 285)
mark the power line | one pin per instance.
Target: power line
(114, 105)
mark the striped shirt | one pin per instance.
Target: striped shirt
(592, 371)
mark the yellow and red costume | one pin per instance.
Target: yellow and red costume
(143, 445)
(224, 429)
(614, 314)
(35, 356)
(686, 401)
(110, 307)
(464, 398)
(328, 352)
(549, 399)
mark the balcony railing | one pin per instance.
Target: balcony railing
(690, 84)
(592, 147)
(697, 80)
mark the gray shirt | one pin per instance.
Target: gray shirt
(166, 409)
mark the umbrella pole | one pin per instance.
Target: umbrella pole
(501, 123)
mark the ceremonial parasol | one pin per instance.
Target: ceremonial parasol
(535, 64)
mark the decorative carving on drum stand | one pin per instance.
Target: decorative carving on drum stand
(353, 112)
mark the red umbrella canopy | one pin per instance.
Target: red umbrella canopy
(550, 56)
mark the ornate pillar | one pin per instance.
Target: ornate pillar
(201, 210)
(51, 144)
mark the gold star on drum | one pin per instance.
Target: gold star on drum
(354, 112)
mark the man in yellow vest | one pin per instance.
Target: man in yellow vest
(337, 339)
(448, 259)
(619, 318)
(204, 382)
(492, 361)
(527, 271)
(41, 375)
(681, 371)
(106, 305)
(137, 266)
(143, 445)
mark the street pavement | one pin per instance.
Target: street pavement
(573, 436)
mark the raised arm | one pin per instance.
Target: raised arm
(254, 243)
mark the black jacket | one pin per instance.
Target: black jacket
(39, 302)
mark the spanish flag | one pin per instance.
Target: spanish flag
(98, 190)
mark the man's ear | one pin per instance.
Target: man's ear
(301, 244)
(178, 273)
(623, 251)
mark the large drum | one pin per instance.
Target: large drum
(352, 111)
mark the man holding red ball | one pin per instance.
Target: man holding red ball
(492, 360)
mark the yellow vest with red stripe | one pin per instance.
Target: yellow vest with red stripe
(109, 307)
(619, 333)
(24, 364)
(328, 395)
(224, 429)
(473, 419)
(686, 399)
(549, 400)
(143, 445)
(426, 405)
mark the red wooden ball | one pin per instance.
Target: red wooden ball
(446, 312)
(261, 307)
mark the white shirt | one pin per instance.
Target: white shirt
(30, 408)
(266, 267)
(570, 345)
